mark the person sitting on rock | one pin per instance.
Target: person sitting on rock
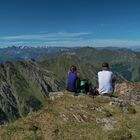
(73, 80)
(106, 80)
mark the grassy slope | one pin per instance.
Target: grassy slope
(60, 66)
(124, 62)
(25, 89)
(75, 118)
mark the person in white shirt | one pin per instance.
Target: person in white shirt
(106, 80)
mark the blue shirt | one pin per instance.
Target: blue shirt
(71, 80)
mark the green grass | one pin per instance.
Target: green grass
(25, 90)
(75, 118)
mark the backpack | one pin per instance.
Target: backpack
(84, 86)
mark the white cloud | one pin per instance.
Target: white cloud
(46, 36)
(65, 39)
(116, 42)
(96, 43)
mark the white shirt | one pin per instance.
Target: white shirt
(105, 82)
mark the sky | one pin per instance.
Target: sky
(96, 23)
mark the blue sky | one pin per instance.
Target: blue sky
(96, 23)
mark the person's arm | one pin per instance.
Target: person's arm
(78, 75)
(97, 82)
(113, 78)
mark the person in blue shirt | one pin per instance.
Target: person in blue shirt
(73, 80)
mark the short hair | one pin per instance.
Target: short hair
(105, 65)
(73, 68)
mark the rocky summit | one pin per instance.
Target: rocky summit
(66, 116)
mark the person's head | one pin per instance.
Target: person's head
(105, 66)
(73, 68)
